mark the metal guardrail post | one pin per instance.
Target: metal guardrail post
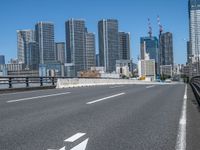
(10, 82)
(41, 81)
(27, 82)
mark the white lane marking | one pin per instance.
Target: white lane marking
(112, 87)
(150, 86)
(26, 92)
(81, 146)
(63, 148)
(75, 137)
(181, 137)
(105, 98)
(37, 97)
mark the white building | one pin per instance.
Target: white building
(147, 70)
(166, 70)
(177, 69)
(100, 69)
(24, 37)
(124, 67)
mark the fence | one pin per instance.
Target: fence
(195, 84)
(26, 82)
(11, 82)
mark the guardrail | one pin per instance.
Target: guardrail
(11, 82)
(195, 84)
(26, 82)
(82, 82)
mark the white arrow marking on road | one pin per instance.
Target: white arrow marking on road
(81, 146)
(74, 137)
(63, 148)
(102, 99)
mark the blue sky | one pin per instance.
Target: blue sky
(132, 16)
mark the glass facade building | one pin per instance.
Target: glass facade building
(2, 59)
(60, 52)
(149, 45)
(124, 46)
(194, 28)
(166, 49)
(90, 50)
(75, 44)
(33, 57)
(50, 70)
(108, 43)
(45, 40)
(189, 52)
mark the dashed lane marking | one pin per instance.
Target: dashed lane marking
(105, 98)
(151, 86)
(117, 86)
(37, 97)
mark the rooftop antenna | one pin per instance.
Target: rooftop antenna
(150, 28)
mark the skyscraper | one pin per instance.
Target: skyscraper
(97, 60)
(33, 57)
(24, 37)
(75, 44)
(189, 52)
(90, 50)
(108, 43)
(149, 45)
(124, 45)
(60, 52)
(166, 49)
(194, 28)
(2, 59)
(45, 39)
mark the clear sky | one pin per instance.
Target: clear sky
(132, 16)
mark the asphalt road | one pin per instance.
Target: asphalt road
(125, 117)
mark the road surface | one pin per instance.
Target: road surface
(122, 117)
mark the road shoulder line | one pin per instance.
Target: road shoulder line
(181, 137)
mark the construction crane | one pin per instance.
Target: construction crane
(150, 28)
(160, 26)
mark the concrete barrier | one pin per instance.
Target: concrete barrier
(76, 82)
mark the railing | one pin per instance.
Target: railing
(26, 82)
(195, 84)
(11, 82)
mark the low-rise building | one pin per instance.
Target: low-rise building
(51, 70)
(69, 70)
(124, 68)
(166, 70)
(147, 70)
